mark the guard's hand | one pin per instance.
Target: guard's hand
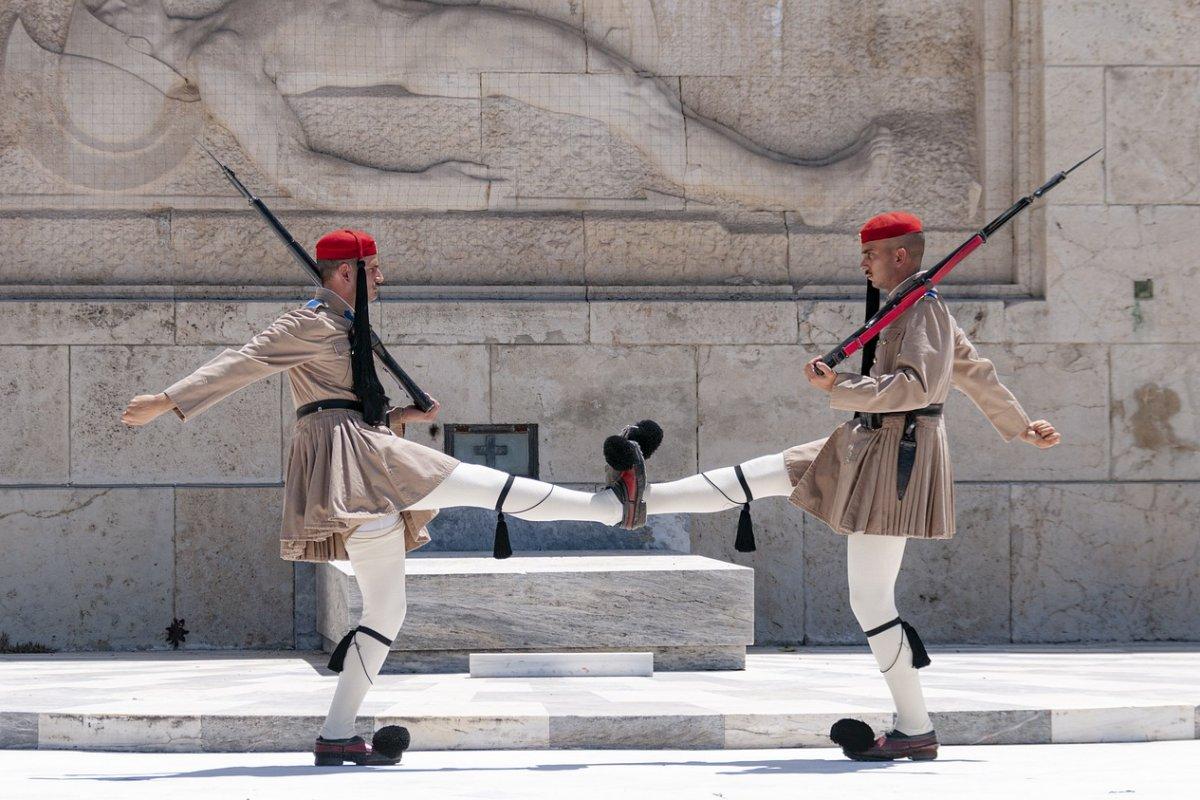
(820, 375)
(408, 414)
(1041, 434)
(144, 408)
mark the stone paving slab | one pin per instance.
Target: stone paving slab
(274, 701)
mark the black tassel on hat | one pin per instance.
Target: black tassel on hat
(501, 547)
(744, 543)
(367, 387)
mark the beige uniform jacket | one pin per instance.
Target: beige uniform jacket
(341, 471)
(850, 479)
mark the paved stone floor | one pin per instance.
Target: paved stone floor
(1154, 770)
(217, 702)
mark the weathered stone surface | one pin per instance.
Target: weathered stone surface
(230, 584)
(473, 733)
(778, 564)
(1093, 256)
(705, 37)
(1074, 107)
(1154, 147)
(125, 733)
(34, 425)
(951, 591)
(105, 580)
(99, 322)
(755, 401)
(417, 249)
(1163, 723)
(456, 376)
(91, 248)
(1116, 562)
(484, 322)
(1155, 418)
(993, 727)
(746, 731)
(18, 731)
(238, 440)
(579, 395)
(213, 322)
(625, 151)
(256, 734)
(538, 603)
(817, 116)
(1119, 32)
(691, 731)
(751, 249)
(304, 602)
(829, 37)
(1065, 384)
(818, 119)
(403, 128)
(693, 322)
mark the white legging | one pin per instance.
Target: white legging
(377, 555)
(377, 550)
(872, 565)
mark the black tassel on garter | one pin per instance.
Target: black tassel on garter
(920, 656)
(337, 659)
(501, 546)
(744, 543)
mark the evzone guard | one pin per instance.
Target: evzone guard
(356, 489)
(883, 477)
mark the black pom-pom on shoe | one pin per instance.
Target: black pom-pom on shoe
(620, 453)
(649, 435)
(390, 741)
(853, 735)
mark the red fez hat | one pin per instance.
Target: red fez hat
(887, 225)
(346, 244)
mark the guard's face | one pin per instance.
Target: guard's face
(374, 277)
(873, 262)
(883, 264)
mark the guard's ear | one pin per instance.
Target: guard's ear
(346, 271)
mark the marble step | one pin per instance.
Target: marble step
(562, 665)
(191, 701)
(691, 612)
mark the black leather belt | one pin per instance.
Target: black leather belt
(907, 455)
(325, 405)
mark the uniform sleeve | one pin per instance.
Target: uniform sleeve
(975, 376)
(287, 343)
(923, 362)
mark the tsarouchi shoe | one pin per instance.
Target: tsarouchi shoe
(386, 748)
(858, 743)
(626, 456)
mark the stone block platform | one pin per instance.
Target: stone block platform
(224, 702)
(692, 612)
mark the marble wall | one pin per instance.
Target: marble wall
(581, 318)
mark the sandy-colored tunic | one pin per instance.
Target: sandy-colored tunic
(342, 472)
(849, 479)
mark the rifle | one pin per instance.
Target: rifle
(915, 287)
(420, 399)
